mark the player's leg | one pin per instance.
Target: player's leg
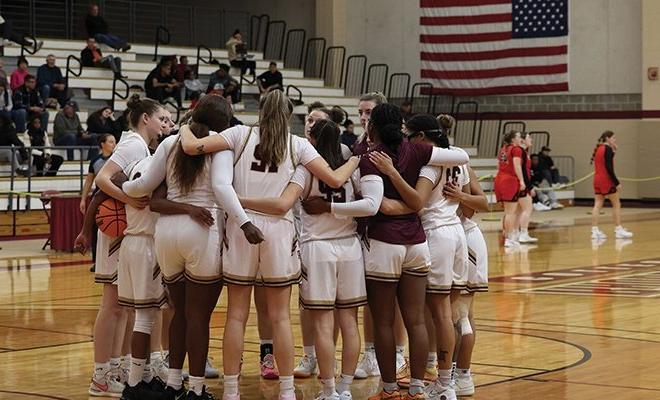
(238, 311)
(266, 354)
(510, 223)
(279, 299)
(619, 231)
(307, 366)
(526, 208)
(596, 233)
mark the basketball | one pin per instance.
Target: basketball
(111, 217)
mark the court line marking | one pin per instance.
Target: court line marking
(49, 346)
(44, 330)
(577, 333)
(566, 325)
(591, 384)
(43, 396)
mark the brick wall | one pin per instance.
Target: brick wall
(554, 103)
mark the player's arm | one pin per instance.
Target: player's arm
(87, 188)
(450, 157)
(333, 178)
(517, 167)
(193, 145)
(471, 196)
(275, 205)
(160, 204)
(84, 238)
(144, 184)
(104, 183)
(372, 195)
(609, 165)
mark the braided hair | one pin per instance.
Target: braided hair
(385, 121)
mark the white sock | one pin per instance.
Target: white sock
(345, 382)
(286, 385)
(267, 341)
(231, 384)
(328, 386)
(310, 351)
(196, 384)
(126, 361)
(148, 374)
(136, 371)
(174, 378)
(463, 373)
(416, 386)
(100, 369)
(444, 377)
(165, 353)
(114, 363)
(400, 349)
(390, 387)
(432, 359)
(369, 346)
(156, 356)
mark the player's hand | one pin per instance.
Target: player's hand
(83, 206)
(252, 233)
(619, 187)
(522, 186)
(139, 203)
(81, 243)
(383, 162)
(316, 205)
(201, 215)
(452, 191)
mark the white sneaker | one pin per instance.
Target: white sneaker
(463, 385)
(159, 369)
(210, 371)
(597, 233)
(622, 233)
(334, 396)
(306, 367)
(368, 366)
(106, 387)
(540, 207)
(556, 206)
(345, 395)
(510, 243)
(436, 391)
(525, 238)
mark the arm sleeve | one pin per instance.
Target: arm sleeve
(609, 164)
(301, 176)
(222, 176)
(152, 177)
(448, 157)
(372, 195)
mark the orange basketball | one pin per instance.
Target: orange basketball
(111, 217)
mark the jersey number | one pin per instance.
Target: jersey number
(452, 174)
(260, 166)
(332, 195)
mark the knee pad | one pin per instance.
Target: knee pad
(144, 320)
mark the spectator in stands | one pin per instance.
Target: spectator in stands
(406, 110)
(19, 74)
(229, 84)
(237, 53)
(28, 104)
(194, 99)
(544, 199)
(46, 164)
(182, 68)
(91, 56)
(9, 137)
(192, 85)
(548, 169)
(50, 82)
(6, 105)
(3, 73)
(102, 122)
(160, 85)
(68, 131)
(270, 80)
(348, 136)
(7, 29)
(97, 28)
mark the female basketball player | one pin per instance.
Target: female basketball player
(606, 186)
(333, 269)
(444, 234)
(396, 254)
(190, 255)
(470, 202)
(509, 184)
(525, 206)
(265, 158)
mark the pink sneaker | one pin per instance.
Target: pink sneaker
(268, 367)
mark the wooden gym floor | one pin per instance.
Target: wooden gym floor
(567, 319)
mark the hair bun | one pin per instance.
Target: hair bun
(134, 101)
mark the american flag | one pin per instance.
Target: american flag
(482, 47)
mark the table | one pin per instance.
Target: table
(66, 221)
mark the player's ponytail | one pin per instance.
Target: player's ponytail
(602, 139)
(137, 107)
(326, 136)
(385, 121)
(275, 109)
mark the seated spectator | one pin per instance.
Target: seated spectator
(98, 29)
(548, 169)
(102, 122)
(91, 56)
(50, 82)
(28, 104)
(192, 85)
(8, 137)
(46, 164)
(182, 68)
(6, 105)
(406, 110)
(7, 29)
(68, 131)
(19, 74)
(229, 84)
(3, 73)
(544, 199)
(270, 80)
(348, 137)
(237, 52)
(160, 85)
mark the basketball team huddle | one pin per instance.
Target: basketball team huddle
(386, 226)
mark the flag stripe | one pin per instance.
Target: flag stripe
(492, 46)
(493, 64)
(467, 11)
(463, 20)
(466, 29)
(512, 89)
(496, 54)
(460, 3)
(523, 80)
(495, 73)
(475, 37)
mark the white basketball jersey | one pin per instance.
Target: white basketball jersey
(139, 222)
(440, 211)
(325, 226)
(468, 223)
(252, 177)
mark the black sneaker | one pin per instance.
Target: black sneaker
(173, 394)
(157, 385)
(204, 396)
(141, 391)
